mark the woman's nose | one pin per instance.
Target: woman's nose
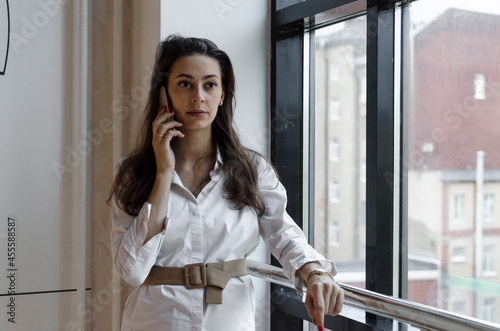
(198, 95)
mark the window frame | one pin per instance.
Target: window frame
(288, 29)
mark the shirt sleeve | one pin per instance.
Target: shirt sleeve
(282, 236)
(132, 257)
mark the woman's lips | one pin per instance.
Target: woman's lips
(196, 113)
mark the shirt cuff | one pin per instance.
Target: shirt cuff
(134, 251)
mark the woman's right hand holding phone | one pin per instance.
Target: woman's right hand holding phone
(164, 130)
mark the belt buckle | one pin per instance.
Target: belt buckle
(200, 283)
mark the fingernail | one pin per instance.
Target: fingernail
(320, 328)
(171, 110)
(181, 123)
(314, 321)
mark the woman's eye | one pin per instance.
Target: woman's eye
(211, 84)
(184, 84)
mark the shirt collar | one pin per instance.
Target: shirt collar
(213, 173)
(218, 161)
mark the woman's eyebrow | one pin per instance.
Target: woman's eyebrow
(191, 77)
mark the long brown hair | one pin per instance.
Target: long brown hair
(137, 172)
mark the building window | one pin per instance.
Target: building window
(334, 71)
(334, 149)
(458, 255)
(489, 261)
(333, 193)
(489, 309)
(459, 208)
(427, 147)
(458, 307)
(479, 87)
(334, 233)
(489, 210)
(334, 109)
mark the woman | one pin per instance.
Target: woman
(190, 204)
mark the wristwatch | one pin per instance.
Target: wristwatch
(319, 272)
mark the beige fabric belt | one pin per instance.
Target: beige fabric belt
(212, 276)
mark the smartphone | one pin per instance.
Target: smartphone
(164, 101)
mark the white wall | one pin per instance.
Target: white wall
(242, 29)
(42, 180)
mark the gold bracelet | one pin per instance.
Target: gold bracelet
(319, 272)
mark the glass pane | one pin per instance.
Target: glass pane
(340, 152)
(280, 4)
(454, 156)
(337, 13)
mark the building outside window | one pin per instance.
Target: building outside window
(479, 87)
(459, 208)
(458, 307)
(334, 71)
(334, 109)
(449, 104)
(489, 310)
(342, 48)
(334, 233)
(489, 261)
(458, 254)
(334, 194)
(334, 150)
(489, 207)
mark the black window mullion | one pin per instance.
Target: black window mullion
(380, 148)
(305, 9)
(287, 153)
(403, 183)
(287, 122)
(312, 135)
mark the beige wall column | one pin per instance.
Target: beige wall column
(125, 34)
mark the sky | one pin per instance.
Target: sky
(426, 10)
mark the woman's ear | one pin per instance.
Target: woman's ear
(163, 99)
(222, 98)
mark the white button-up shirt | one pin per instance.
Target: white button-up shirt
(204, 229)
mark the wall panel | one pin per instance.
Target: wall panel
(44, 152)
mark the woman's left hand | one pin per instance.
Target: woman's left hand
(324, 296)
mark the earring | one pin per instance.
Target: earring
(222, 101)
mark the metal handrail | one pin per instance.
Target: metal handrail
(405, 311)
